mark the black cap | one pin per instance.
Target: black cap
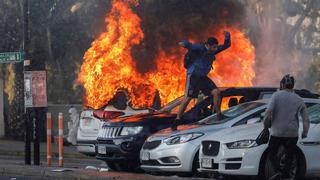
(212, 41)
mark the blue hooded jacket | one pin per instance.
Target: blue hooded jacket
(203, 63)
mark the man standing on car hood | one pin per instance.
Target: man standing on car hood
(199, 70)
(282, 116)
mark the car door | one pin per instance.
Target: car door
(311, 145)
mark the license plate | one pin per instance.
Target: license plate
(145, 156)
(206, 163)
(102, 150)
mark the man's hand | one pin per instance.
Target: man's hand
(304, 135)
(226, 33)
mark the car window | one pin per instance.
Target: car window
(171, 105)
(232, 113)
(192, 103)
(314, 112)
(265, 95)
(174, 106)
(229, 101)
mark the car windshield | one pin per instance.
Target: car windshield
(174, 105)
(231, 113)
(171, 105)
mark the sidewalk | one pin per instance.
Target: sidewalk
(16, 148)
(40, 172)
(12, 165)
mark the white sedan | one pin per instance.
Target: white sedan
(233, 151)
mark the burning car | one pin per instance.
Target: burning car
(120, 140)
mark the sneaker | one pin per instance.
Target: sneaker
(219, 116)
(175, 125)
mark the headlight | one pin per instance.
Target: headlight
(182, 138)
(131, 130)
(249, 143)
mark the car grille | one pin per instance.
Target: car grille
(233, 166)
(210, 148)
(110, 132)
(151, 163)
(151, 145)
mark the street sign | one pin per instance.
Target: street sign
(11, 57)
(35, 89)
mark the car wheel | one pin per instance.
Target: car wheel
(111, 165)
(121, 167)
(195, 166)
(296, 170)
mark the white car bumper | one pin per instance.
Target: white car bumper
(86, 148)
(86, 142)
(234, 161)
(158, 158)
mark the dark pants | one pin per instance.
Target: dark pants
(200, 83)
(289, 145)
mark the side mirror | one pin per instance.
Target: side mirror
(253, 120)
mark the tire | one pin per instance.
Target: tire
(111, 166)
(195, 166)
(297, 169)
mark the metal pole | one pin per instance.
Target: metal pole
(36, 141)
(49, 130)
(60, 125)
(27, 67)
(28, 122)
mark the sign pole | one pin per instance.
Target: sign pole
(27, 67)
(36, 141)
(28, 122)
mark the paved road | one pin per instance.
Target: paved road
(13, 168)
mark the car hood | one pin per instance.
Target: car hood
(144, 118)
(249, 131)
(242, 132)
(185, 129)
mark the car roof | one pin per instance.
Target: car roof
(225, 134)
(304, 99)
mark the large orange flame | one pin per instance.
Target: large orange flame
(108, 65)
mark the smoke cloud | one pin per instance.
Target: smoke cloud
(276, 28)
(165, 24)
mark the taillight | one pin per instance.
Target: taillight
(106, 115)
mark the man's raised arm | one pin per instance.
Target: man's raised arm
(227, 42)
